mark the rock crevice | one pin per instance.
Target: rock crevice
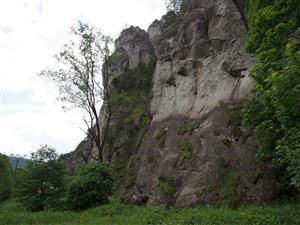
(176, 135)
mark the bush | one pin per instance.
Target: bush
(91, 187)
(42, 184)
(273, 113)
(6, 181)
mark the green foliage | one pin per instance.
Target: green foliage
(186, 127)
(117, 56)
(20, 176)
(137, 114)
(274, 111)
(233, 114)
(186, 152)
(115, 213)
(131, 172)
(139, 79)
(42, 186)
(169, 190)
(130, 103)
(118, 98)
(131, 179)
(161, 136)
(173, 5)
(171, 20)
(228, 190)
(6, 182)
(90, 187)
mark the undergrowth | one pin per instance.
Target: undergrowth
(115, 213)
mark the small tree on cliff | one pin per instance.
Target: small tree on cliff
(79, 81)
(173, 5)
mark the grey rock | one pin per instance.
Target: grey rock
(201, 75)
(192, 149)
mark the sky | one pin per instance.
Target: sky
(31, 33)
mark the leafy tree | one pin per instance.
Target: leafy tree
(173, 5)
(79, 81)
(92, 186)
(43, 180)
(274, 111)
(6, 182)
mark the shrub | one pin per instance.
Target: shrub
(91, 187)
(161, 136)
(42, 185)
(186, 127)
(169, 191)
(273, 114)
(6, 182)
(186, 152)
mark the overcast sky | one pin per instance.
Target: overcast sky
(31, 32)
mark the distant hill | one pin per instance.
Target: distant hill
(13, 161)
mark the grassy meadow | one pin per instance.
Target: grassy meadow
(115, 213)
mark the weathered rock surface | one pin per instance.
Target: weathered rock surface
(203, 57)
(179, 140)
(196, 150)
(77, 157)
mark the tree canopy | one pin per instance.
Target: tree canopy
(274, 111)
(6, 181)
(90, 187)
(42, 183)
(173, 5)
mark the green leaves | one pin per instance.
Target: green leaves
(273, 114)
(6, 182)
(92, 186)
(42, 184)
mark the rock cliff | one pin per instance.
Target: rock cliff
(176, 136)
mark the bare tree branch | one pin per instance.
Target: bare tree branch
(79, 80)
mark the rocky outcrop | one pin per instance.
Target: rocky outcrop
(203, 55)
(176, 135)
(131, 68)
(79, 156)
(196, 151)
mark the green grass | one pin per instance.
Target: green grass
(118, 214)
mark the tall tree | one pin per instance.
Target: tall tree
(80, 83)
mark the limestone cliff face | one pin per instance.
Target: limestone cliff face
(176, 135)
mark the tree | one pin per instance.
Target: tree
(6, 182)
(79, 80)
(91, 187)
(273, 113)
(173, 5)
(43, 183)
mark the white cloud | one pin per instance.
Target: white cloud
(31, 32)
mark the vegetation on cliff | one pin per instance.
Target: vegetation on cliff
(274, 111)
(130, 110)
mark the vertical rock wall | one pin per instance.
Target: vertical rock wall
(176, 135)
